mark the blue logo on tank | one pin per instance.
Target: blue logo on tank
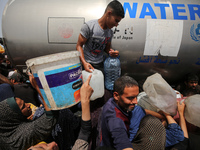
(195, 32)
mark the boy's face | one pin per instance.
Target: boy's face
(192, 84)
(113, 21)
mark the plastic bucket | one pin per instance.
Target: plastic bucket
(59, 77)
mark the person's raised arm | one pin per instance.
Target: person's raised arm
(85, 131)
(169, 118)
(182, 123)
(34, 84)
(85, 93)
(155, 114)
(81, 41)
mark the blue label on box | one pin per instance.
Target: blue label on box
(64, 84)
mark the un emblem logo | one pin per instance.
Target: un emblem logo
(195, 32)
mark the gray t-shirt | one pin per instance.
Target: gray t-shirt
(97, 38)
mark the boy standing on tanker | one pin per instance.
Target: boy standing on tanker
(96, 35)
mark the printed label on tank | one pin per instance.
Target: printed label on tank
(163, 37)
(162, 10)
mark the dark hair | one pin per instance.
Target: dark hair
(116, 7)
(122, 82)
(16, 76)
(191, 77)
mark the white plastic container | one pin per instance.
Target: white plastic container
(160, 94)
(59, 77)
(192, 109)
(145, 102)
(96, 82)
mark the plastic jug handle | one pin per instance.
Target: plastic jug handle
(183, 100)
(28, 68)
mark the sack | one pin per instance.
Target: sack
(160, 94)
(192, 109)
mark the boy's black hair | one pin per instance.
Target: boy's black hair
(117, 8)
(191, 77)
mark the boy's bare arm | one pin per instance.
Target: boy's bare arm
(81, 41)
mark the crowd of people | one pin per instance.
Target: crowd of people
(115, 121)
(123, 123)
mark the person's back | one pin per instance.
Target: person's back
(6, 91)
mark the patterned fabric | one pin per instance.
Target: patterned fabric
(39, 112)
(80, 145)
(66, 129)
(151, 135)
